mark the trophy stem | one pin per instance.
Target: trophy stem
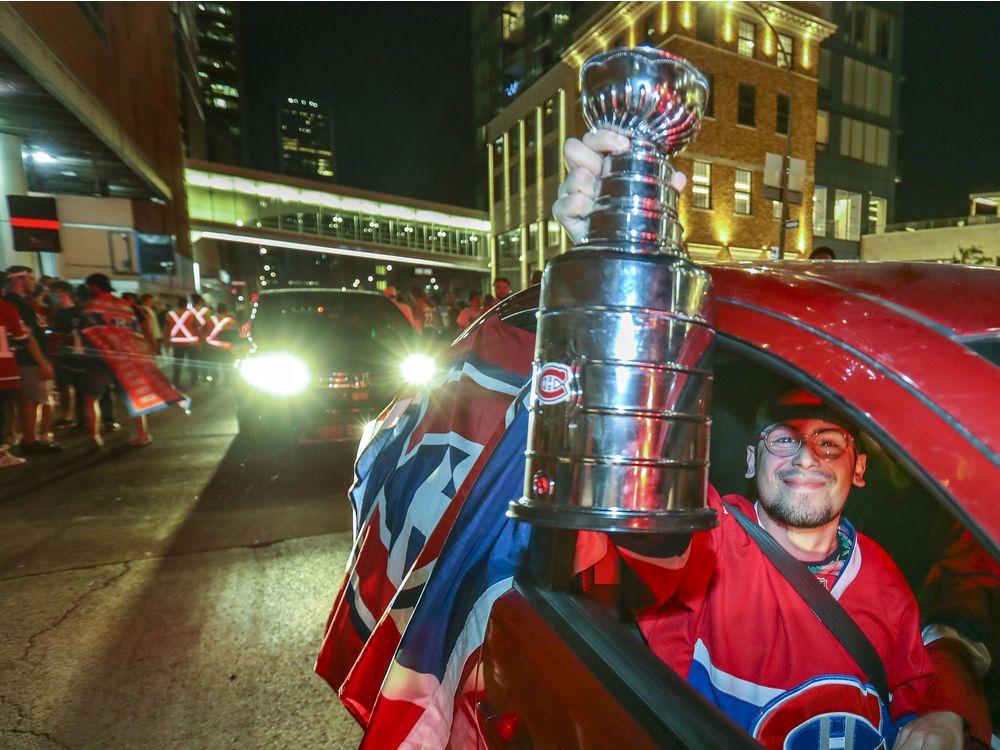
(636, 209)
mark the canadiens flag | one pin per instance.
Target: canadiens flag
(144, 388)
(433, 548)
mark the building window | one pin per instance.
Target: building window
(705, 23)
(710, 104)
(741, 188)
(819, 211)
(824, 69)
(776, 209)
(822, 130)
(786, 51)
(883, 36)
(864, 141)
(746, 110)
(701, 189)
(867, 87)
(552, 232)
(747, 34)
(649, 27)
(847, 215)
(550, 115)
(859, 25)
(877, 210)
(551, 159)
(784, 114)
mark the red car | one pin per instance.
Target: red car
(910, 352)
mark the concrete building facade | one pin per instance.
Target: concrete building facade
(762, 64)
(857, 151)
(306, 138)
(220, 67)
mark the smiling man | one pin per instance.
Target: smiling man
(724, 617)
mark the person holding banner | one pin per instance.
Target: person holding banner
(118, 352)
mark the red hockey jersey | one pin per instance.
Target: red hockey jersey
(729, 622)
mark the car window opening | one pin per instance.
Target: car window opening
(893, 508)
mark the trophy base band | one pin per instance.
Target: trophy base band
(613, 521)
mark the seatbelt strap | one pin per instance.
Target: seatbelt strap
(822, 604)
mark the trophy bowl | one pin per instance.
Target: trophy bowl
(646, 94)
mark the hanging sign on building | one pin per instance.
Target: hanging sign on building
(34, 224)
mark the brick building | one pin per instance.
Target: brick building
(91, 117)
(762, 63)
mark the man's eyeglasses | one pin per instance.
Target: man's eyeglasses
(783, 441)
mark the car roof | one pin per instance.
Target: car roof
(938, 293)
(320, 290)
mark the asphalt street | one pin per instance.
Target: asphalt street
(172, 596)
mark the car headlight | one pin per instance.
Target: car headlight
(417, 369)
(279, 374)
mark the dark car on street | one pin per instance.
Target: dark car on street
(322, 362)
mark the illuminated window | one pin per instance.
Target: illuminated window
(864, 141)
(786, 51)
(784, 114)
(742, 188)
(550, 115)
(847, 215)
(822, 130)
(701, 188)
(819, 211)
(746, 111)
(747, 33)
(648, 27)
(552, 232)
(877, 209)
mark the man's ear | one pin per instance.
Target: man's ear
(751, 462)
(860, 464)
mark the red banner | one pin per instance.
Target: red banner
(143, 386)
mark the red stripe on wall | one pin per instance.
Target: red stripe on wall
(34, 223)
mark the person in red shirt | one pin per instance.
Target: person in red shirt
(36, 371)
(104, 309)
(501, 288)
(470, 314)
(12, 335)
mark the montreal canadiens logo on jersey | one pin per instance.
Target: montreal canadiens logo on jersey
(554, 383)
(825, 713)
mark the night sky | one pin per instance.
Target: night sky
(951, 108)
(398, 77)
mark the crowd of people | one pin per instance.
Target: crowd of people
(445, 316)
(53, 382)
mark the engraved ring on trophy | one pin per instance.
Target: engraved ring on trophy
(619, 427)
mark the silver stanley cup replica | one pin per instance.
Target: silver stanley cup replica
(619, 427)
